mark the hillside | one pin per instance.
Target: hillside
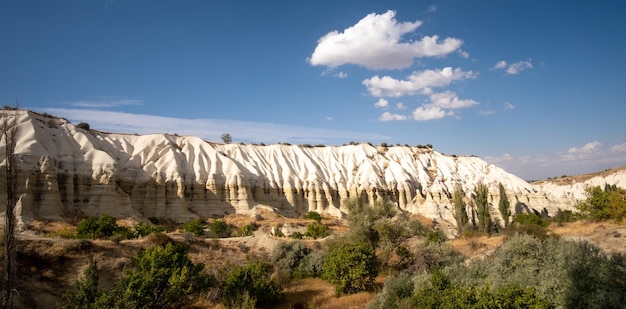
(67, 171)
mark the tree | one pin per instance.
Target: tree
(226, 138)
(504, 206)
(482, 207)
(159, 277)
(9, 133)
(85, 291)
(350, 267)
(600, 204)
(460, 213)
(250, 281)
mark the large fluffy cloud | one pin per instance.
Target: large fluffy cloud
(375, 42)
(418, 82)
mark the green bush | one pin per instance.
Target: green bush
(85, 290)
(93, 227)
(603, 204)
(219, 228)
(311, 266)
(287, 256)
(396, 293)
(316, 231)
(313, 215)
(143, 230)
(350, 267)
(252, 279)
(195, 226)
(159, 277)
(245, 230)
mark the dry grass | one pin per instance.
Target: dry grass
(477, 245)
(318, 294)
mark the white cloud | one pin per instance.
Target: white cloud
(508, 105)
(401, 106)
(513, 68)
(449, 100)
(618, 148)
(417, 82)
(387, 116)
(424, 113)
(590, 147)
(341, 75)
(431, 9)
(375, 42)
(463, 53)
(500, 65)
(382, 103)
(487, 113)
(209, 129)
(106, 102)
(330, 118)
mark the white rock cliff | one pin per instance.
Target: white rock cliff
(64, 171)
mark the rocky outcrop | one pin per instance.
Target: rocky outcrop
(65, 171)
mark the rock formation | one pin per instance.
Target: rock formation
(66, 171)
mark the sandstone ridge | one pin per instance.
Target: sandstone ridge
(64, 171)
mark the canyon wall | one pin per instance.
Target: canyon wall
(65, 171)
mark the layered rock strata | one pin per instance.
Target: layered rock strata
(64, 171)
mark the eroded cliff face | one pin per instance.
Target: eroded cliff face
(64, 171)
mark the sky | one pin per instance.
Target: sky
(535, 87)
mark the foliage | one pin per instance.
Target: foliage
(350, 267)
(142, 229)
(252, 278)
(603, 204)
(219, 228)
(313, 215)
(287, 256)
(504, 206)
(245, 230)
(396, 292)
(97, 227)
(460, 212)
(195, 226)
(316, 231)
(361, 219)
(482, 207)
(531, 224)
(564, 216)
(159, 277)
(85, 290)
(83, 125)
(530, 219)
(311, 266)
(226, 138)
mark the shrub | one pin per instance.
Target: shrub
(287, 256)
(316, 231)
(195, 226)
(311, 265)
(83, 125)
(142, 229)
(396, 291)
(313, 215)
(85, 291)
(219, 228)
(603, 204)
(253, 279)
(350, 267)
(245, 230)
(93, 227)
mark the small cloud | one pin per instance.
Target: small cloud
(449, 100)
(508, 105)
(431, 9)
(513, 68)
(487, 113)
(500, 65)
(387, 116)
(329, 118)
(401, 106)
(586, 149)
(417, 82)
(376, 42)
(463, 53)
(618, 148)
(106, 102)
(382, 103)
(424, 113)
(341, 75)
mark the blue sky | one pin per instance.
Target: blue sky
(535, 87)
